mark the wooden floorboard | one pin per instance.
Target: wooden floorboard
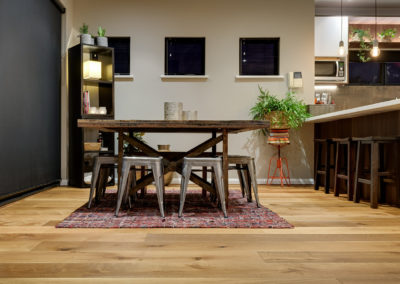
(334, 241)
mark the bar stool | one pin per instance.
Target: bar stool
(322, 168)
(156, 166)
(343, 144)
(216, 165)
(376, 167)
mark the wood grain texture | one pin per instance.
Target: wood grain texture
(334, 241)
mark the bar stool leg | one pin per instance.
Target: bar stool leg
(348, 184)
(337, 160)
(374, 174)
(356, 197)
(241, 182)
(95, 176)
(327, 167)
(184, 183)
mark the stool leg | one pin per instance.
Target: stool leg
(158, 175)
(220, 187)
(327, 167)
(316, 165)
(241, 182)
(356, 197)
(95, 175)
(287, 178)
(397, 174)
(252, 171)
(348, 184)
(337, 160)
(203, 190)
(374, 174)
(246, 182)
(101, 184)
(122, 185)
(184, 183)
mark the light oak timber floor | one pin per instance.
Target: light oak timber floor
(334, 241)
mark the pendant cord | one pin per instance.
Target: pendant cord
(341, 20)
(376, 21)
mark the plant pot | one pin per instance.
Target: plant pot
(277, 120)
(102, 41)
(167, 177)
(86, 39)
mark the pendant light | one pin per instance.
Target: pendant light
(342, 50)
(375, 44)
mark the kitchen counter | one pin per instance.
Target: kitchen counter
(387, 106)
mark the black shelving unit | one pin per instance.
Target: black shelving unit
(101, 95)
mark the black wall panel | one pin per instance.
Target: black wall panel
(30, 66)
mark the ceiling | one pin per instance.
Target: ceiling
(365, 8)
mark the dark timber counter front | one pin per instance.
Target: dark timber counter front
(381, 119)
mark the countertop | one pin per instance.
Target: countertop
(387, 106)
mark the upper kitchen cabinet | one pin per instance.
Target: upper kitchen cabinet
(328, 34)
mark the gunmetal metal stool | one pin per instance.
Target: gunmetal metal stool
(246, 171)
(319, 167)
(216, 164)
(347, 143)
(156, 166)
(99, 162)
(376, 167)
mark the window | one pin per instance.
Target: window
(185, 56)
(369, 73)
(259, 56)
(122, 54)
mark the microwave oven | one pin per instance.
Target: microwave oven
(330, 69)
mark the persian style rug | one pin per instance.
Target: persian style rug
(198, 212)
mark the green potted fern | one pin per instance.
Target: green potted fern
(285, 113)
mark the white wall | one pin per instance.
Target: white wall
(222, 22)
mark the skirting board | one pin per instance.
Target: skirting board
(305, 181)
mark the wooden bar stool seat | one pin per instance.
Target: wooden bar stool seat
(344, 152)
(376, 167)
(322, 168)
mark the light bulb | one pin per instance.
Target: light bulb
(342, 50)
(375, 49)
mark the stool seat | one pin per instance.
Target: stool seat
(375, 139)
(347, 139)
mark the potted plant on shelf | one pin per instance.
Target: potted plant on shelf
(365, 46)
(101, 39)
(387, 35)
(285, 113)
(86, 38)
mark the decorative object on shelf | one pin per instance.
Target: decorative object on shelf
(93, 110)
(189, 115)
(375, 44)
(102, 110)
(101, 39)
(168, 176)
(173, 110)
(342, 49)
(365, 46)
(86, 102)
(86, 38)
(288, 112)
(92, 146)
(92, 70)
(387, 35)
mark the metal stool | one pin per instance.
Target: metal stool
(98, 165)
(156, 166)
(322, 168)
(376, 167)
(340, 142)
(216, 164)
(246, 171)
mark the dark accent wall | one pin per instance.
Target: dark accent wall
(30, 74)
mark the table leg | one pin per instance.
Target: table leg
(225, 163)
(120, 153)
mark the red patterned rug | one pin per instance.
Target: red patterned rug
(197, 213)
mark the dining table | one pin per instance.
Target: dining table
(218, 130)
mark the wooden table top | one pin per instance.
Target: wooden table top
(189, 126)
